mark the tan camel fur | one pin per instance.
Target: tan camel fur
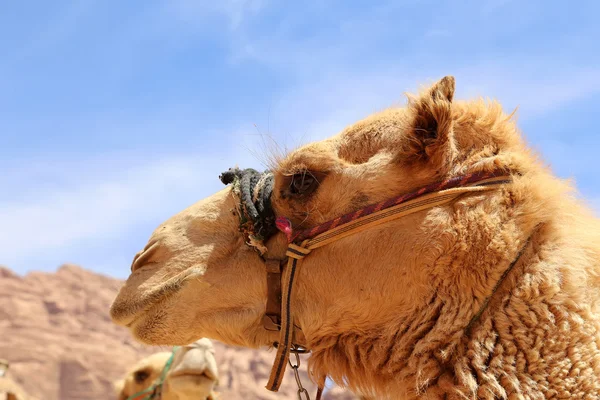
(9, 389)
(193, 374)
(385, 311)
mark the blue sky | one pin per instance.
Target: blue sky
(114, 117)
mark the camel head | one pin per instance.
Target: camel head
(190, 372)
(202, 274)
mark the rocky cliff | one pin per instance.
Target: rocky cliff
(61, 344)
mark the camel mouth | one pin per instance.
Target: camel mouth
(128, 313)
(130, 306)
(193, 373)
(134, 318)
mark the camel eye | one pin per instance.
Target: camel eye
(141, 376)
(303, 183)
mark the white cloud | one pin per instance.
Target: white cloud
(96, 201)
(320, 108)
(317, 110)
(98, 208)
(328, 64)
(522, 84)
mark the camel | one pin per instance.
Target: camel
(188, 372)
(424, 252)
(9, 389)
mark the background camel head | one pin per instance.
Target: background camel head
(197, 276)
(193, 374)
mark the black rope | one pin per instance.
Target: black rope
(258, 210)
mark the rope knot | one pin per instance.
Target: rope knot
(257, 219)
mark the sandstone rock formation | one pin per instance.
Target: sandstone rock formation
(61, 345)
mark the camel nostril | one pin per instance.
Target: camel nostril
(135, 258)
(142, 256)
(150, 244)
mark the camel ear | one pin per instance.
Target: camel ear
(432, 120)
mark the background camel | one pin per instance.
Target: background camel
(192, 374)
(493, 295)
(9, 389)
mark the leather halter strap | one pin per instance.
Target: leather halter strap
(272, 318)
(303, 243)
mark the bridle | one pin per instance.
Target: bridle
(282, 273)
(155, 390)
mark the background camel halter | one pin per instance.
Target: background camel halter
(303, 242)
(155, 390)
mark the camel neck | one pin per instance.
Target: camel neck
(527, 326)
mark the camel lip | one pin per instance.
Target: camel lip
(191, 373)
(126, 313)
(126, 319)
(130, 316)
(134, 318)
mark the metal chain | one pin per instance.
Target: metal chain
(301, 389)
